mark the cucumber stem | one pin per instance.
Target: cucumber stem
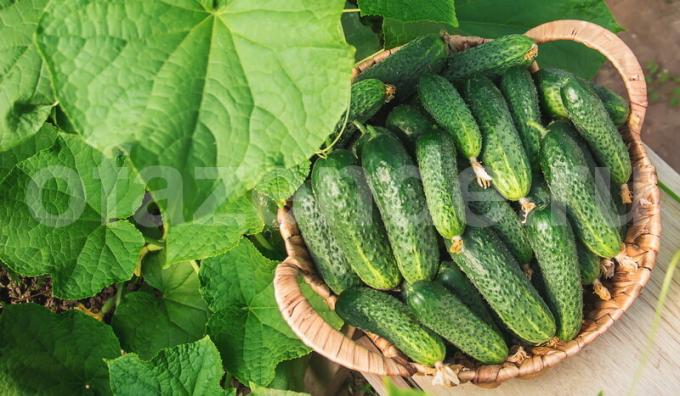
(519, 356)
(456, 244)
(601, 291)
(607, 268)
(528, 272)
(626, 195)
(527, 207)
(483, 178)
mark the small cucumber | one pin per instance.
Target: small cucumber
(617, 107)
(384, 315)
(403, 68)
(409, 121)
(539, 193)
(591, 271)
(590, 118)
(549, 82)
(572, 185)
(367, 98)
(394, 181)
(444, 313)
(495, 273)
(503, 220)
(520, 92)
(436, 156)
(503, 153)
(553, 242)
(443, 102)
(452, 278)
(491, 58)
(345, 201)
(330, 260)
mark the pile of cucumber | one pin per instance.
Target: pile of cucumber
(469, 213)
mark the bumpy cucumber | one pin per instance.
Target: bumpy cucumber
(549, 82)
(520, 92)
(589, 264)
(495, 273)
(409, 121)
(452, 278)
(503, 154)
(572, 185)
(591, 119)
(553, 242)
(444, 313)
(345, 201)
(330, 260)
(403, 68)
(367, 98)
(394, 182)
(436, 156)
(503, 220)
(617, 107)
(387, 317)
(443, 102)
(539, 193)
(491, 58)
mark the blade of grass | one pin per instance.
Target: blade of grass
(656, 322)
(668, 191)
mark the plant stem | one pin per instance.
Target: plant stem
(348, 10)
(263, 242)
(674, 196)
(119, 293)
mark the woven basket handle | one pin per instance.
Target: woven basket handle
(611, 46)
(307, 324)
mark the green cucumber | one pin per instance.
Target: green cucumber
(436, 156)
(384, 315)
(345, 201)
(553, 242)
(395, 184)
(520, 93)
(409, 121)
(539, 193)
(572, 185)
(502, 218)
(591, 119)
(617, 107)
(495, 273)
(589, 264)
(367, 98)
(549, 82)
(491, 58)
(443, 102)
(331, 262)
(403, 68)
(503, 153)
(444, 313)
(452, 278)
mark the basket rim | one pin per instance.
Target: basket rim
(641, 242)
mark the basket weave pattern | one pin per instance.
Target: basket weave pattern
(642, 243)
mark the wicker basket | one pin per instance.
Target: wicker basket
(642, 243)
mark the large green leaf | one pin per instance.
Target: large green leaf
(169, 313)
(246, 324)
(49, 354)
(397, 32)
(61, 214)
(25, 94)
(209, 96)
(261, 391)
(441, 11)
(187, 369)
(494, 18)
(281, 184)
(42, 140)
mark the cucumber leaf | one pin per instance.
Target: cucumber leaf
(360, 36)
(281, 184)
(60, 354)
(170, 312)
(256, 390)
(246, 324)
(42, 140)
(397, 32)
(193, 369)
(62, 213)
(441, 11)
(26, 99)
(208, 96)
(494, 18)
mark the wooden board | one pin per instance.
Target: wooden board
(609, 364)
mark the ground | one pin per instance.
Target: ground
(653, 32)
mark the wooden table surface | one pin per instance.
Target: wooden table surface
(609, 364)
